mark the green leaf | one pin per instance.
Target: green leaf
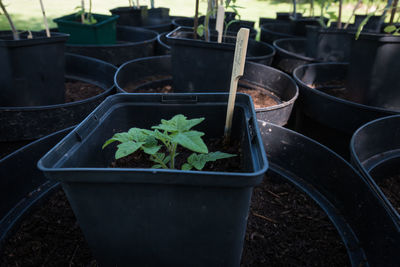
(179, 123)
(199, 160)
(390, 29)
(157, 166)
(161, 136)
(167, 159)
(127, 148)
(120, 137)
(191, 140)
(362, 24)
(186, 167)
(151, 150)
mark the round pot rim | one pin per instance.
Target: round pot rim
(337, 99)
(283, 35)
(295, 55)
(275, 107)
(62, 105)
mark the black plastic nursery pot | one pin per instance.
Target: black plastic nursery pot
(32, 122)
(375, 151)
(258, 52)
(22, 184)
(32, 70)
(195, 59)
(325, 111)
(162, 47)
(373, 79)
(374, 23)
(369, 232)
(131, 16)
(133, 42)
(159, 12)
(101, 33)
(149, 73)
(300, 24)
(152, 216)
(290, 54)
(328, 44)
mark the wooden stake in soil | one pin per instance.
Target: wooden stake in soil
(46, 25)
(239, 60)
(219, 26)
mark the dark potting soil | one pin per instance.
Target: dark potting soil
(334, 88)
(391, 188)
(74, 91)
(234, 164)
(261, 97)
(285, 228)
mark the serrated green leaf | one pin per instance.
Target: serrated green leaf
(199, 160)
(186, 167)
(191, 140)
(160, 156)
(127, 148)
(390, 29)
(178, 123)
(161, 136)
(151, 150)
(167, 159)
(120, 137)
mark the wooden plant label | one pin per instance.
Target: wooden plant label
(219, 26)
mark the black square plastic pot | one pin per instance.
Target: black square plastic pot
(32, 70)
(131, 16)
(153, 217)
(197, 65)
(159, 12)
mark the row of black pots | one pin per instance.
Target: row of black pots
(274, 82)
(367, 230)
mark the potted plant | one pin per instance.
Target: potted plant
(151, 216)
(88, 28)
(132, 15)
(32, 65)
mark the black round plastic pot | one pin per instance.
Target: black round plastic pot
(375, 151)
(131, 16)
(28, 123)
(32, 70)
(371, 236)
(278, 83)
(280, 16)
(22, 184)
(367, 230)
(232, 30)
(373, 79)
(290, 54)
(271, 32)
(325, 117)
(159, 25)
(328, 44)
(133, 42)
(300, 24)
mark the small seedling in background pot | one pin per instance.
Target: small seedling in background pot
(13, 29)
(162, 142)
(86, 17)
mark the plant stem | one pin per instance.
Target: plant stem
(196, 20)
(294, 9)
(152, 3)
(13, 29)
(339, 25)
(311, 8)
(138, 4)
(394, 9)
(158, 160)
(46, 25)
(83, 11)
(173, 153)
(352, 14)
(90, 9)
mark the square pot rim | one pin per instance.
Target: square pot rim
(127, 9)
(56, 37)
(196, 42)
(107, 19)
(148, 171)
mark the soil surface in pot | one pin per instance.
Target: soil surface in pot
(74, 91)
(140, 159)
(262, 97)
(285, 228)
(391, 189)
(334, 88)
